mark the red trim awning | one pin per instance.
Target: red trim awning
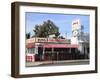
(31, 45)
(61, 46)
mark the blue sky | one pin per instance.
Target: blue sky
(63, 21)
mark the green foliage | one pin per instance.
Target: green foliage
(27, 35)
(46, 29)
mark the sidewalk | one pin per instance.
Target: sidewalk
(55, 62)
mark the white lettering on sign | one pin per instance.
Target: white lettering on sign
(76, 24)
(33, 40)
(41, 39)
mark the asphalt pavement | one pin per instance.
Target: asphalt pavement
(57, 63)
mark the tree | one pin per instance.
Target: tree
(46, 29)
(61, 37)
(27, 35)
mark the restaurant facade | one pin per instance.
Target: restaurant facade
(44, 49)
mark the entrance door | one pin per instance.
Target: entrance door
(40, 52)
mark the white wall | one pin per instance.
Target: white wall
(5, 40)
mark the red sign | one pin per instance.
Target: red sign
(57, 40)
(61, 46)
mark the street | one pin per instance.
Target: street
(57, 63)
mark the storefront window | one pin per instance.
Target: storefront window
(30, 50)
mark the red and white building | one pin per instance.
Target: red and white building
(38, 49)
(44, 49)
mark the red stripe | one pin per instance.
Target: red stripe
(61, 46)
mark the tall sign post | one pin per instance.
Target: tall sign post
(76, 25)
